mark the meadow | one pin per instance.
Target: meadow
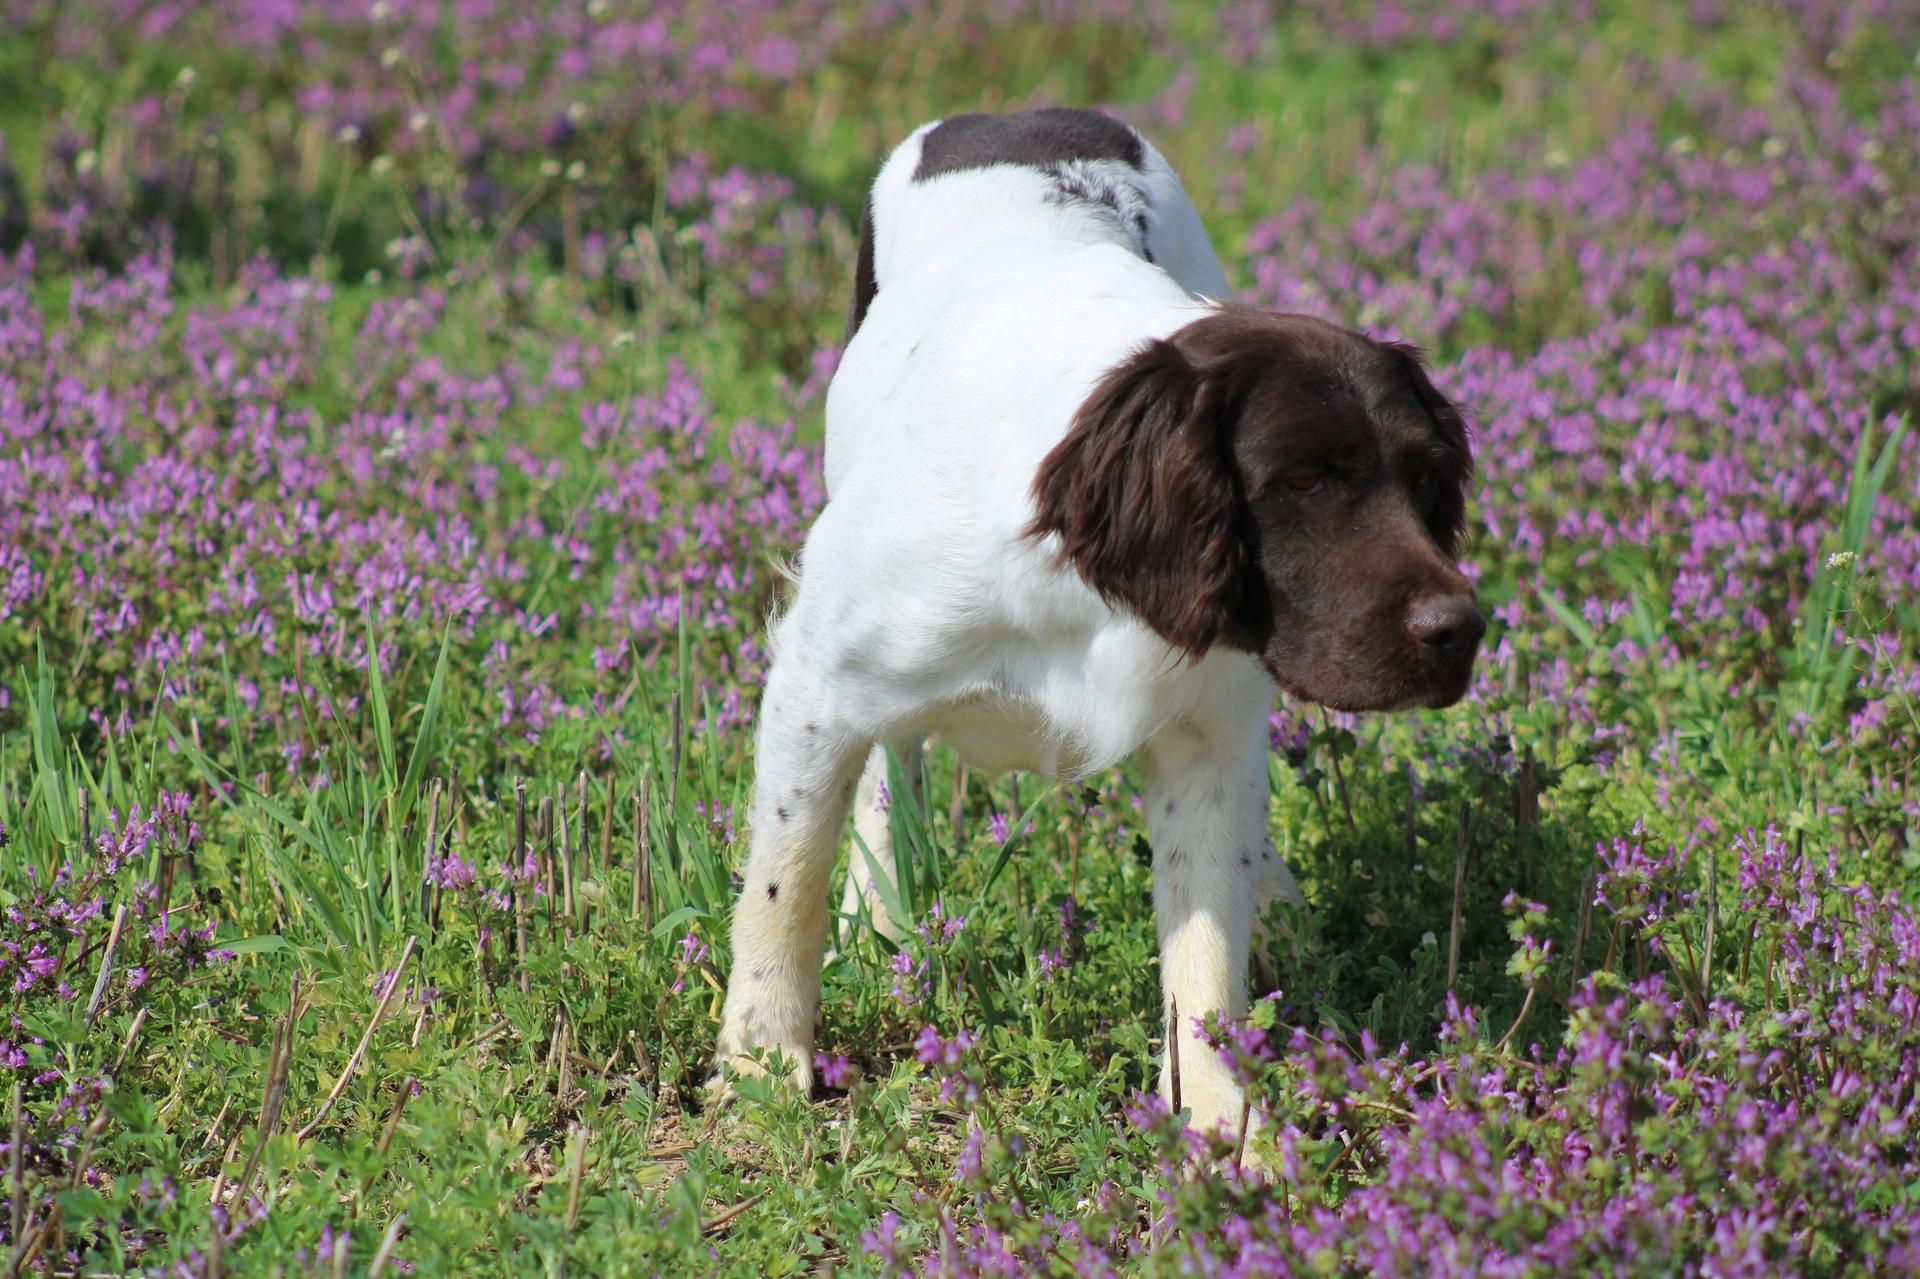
(404, 411)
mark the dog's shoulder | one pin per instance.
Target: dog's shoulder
(961, 354)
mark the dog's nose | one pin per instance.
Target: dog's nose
(1447, 625)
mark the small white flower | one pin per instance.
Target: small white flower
(390, 56)
(348, 134)
(186, 77)
(1773, 148)
(382, 165)
(550, 168)
(576, 111)
(1840, 559)
(419, 121)
(576, 171)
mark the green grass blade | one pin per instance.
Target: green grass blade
(424, 741)
(382, 720)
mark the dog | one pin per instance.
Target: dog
(1080, 510)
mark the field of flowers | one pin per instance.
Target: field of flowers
(404, 407)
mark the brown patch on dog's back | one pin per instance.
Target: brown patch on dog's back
(1034, 139)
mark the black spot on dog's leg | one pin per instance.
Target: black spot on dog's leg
(781, 813)
(1246, 861)
(773, 891)
(1171, 808)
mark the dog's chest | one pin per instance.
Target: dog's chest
(996, 732)
(1066, 719)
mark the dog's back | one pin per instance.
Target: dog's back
(1053, 174)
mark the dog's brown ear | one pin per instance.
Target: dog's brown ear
(1447, 520)
(1144, 495)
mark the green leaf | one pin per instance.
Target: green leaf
(83, 1204)
(886, 885)
(667, 923)
(1570, 619)
(1015, 835)
(253, 945)
(382, 721)
(423, 742)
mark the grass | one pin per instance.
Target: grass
(431, 948)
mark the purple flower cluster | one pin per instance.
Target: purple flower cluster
(833, 1072)
(1686, 329)
(693, 952)
(256, 544)
(97, 922)
(1765, 1131)
(950, 1061)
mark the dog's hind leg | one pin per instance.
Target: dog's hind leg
(807, 765)
(873, 831)
(1273, 882)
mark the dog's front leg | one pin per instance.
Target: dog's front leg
(805, 768)
(1205, 805)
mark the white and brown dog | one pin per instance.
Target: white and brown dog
(1079, 511)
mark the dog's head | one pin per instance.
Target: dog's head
(1279, 485)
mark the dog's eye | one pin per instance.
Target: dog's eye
(1307, 483)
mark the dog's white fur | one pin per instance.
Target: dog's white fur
(922, 609)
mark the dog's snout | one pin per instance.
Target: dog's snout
(1448, 626)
